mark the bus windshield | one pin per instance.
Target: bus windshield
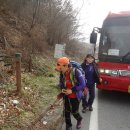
(115, 38)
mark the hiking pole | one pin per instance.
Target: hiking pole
(58, 98)
(41, 115)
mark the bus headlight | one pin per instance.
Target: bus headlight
(101, 70)
(109, 72)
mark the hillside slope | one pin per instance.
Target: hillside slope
(39, 88)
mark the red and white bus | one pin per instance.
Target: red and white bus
(114, 51)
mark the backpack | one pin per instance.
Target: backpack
(74, 77)
(75, 66)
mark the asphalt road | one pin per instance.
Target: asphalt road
(111, 112)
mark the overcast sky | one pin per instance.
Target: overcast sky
(93, 12)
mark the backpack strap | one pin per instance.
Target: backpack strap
(74, 76)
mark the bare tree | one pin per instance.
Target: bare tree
(46, 21)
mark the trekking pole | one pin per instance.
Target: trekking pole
(58, 98)
(41, 115)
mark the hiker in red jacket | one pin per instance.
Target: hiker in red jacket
(71, 90)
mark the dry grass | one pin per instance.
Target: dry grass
(39, 90)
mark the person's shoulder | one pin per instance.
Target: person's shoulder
(75, 70)
(78, 72)
(94, 64)
(83, 64)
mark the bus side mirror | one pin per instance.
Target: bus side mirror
(93, 37)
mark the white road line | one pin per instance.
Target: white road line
(94, 115)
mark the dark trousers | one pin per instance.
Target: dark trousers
(88, 102)
(71, 106)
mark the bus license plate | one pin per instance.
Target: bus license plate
(129, 89)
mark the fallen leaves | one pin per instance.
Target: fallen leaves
(20, 110)
(9, 106)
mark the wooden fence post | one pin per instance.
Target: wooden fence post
(18, 72)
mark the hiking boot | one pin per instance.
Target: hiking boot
(84, 110)
(78, 126)
(90, 108)
(68, 127)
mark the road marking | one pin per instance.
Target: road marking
(94, 115)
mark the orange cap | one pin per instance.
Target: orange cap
(63, 60)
